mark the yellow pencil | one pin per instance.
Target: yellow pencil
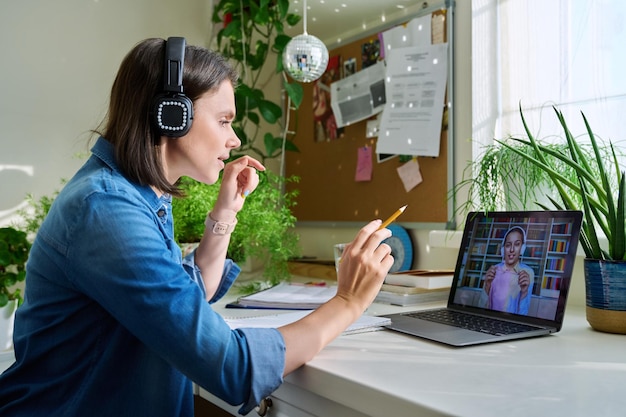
(392, 217)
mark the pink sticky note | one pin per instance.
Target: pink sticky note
(364, 164)
(410, 174)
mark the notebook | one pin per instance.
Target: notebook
(499, 253)
(365, 323)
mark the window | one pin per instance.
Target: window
(567, 53)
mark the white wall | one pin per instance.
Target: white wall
(59, 59)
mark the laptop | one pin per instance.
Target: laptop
(511, 280)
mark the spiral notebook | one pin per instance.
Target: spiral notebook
(365, 323)
(287, 295)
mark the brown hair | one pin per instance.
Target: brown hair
(139, 80)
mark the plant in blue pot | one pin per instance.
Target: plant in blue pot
(599, 190)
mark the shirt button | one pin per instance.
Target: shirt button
(161, 213)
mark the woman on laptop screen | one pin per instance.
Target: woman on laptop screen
(508, 285)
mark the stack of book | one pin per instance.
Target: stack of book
(415, 286)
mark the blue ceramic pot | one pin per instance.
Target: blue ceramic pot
(605, 289)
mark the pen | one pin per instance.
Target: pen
(392, 217)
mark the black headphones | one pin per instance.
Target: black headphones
(172, 111)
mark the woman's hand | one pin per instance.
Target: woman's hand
(524, 281)
(364, 265)
(239, 176)
(489, 277)
(239, 179)
(363, 268)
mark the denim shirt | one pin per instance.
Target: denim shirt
(115, 322)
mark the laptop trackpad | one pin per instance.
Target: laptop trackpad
(438, 332)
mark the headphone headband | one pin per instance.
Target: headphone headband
(515, 229)
(173, 110)
(174, 62)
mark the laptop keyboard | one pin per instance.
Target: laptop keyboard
(471, 322)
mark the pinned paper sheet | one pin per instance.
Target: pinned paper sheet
(364, 164)
(410, 174)
(371, 129)
(416, 80)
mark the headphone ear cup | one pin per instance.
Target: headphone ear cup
(172, 115)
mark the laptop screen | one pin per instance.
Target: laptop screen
(517, 262)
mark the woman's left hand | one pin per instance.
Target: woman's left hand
(524, 281)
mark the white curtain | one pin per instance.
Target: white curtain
(543, 53)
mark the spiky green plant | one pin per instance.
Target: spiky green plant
(599, 185)
(502, 179)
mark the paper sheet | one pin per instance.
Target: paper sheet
(415, 89)
(359, 96)
(414, 33)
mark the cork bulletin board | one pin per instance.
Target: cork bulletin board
(328, 192)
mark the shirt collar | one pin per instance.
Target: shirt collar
(103, 150)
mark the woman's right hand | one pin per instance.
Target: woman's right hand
(363, 268)
(489, 276)
(364, 265)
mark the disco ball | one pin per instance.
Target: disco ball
(305, 58)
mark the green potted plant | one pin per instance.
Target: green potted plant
(599, 190)
(264, 227)
(14, 249)
(502, 178)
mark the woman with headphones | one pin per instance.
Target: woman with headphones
(509, 284)
(115, 322)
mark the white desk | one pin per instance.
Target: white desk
(576, 372)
